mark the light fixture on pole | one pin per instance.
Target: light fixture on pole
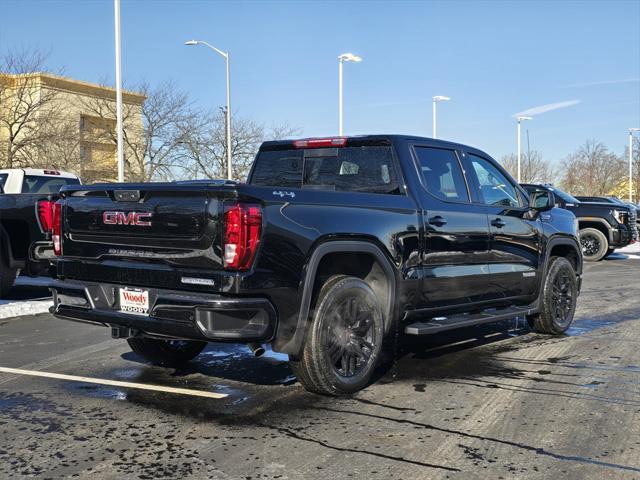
(225, 55)
(436, 99)
(345, 57)
(119, 135)
(631, 132)
(520, 119)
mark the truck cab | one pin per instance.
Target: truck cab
(34, 180)
(26, 198)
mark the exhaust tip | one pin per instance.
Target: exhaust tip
(257, 349)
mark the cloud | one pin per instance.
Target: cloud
(546, 108)
(603, 82)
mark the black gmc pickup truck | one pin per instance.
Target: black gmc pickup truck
(603, 227)
(331, 246)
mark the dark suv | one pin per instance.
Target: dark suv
(331, 246)
(603, 227)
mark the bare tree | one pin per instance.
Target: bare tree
(29, 115)
(154, 148)
(533, 168)
(592, 170)
(205, 151)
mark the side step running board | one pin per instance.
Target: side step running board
(440, 324)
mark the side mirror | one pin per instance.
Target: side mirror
(543, 201)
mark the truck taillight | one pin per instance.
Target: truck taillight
(243, 225)
(56, 230)
(45, 215)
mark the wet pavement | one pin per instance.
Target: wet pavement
(486, 402)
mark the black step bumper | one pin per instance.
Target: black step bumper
(173, 314)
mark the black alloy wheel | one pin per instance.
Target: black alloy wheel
(350, 338)
(343, 341)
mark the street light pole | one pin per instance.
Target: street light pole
(225, 55)
(436, 99)
(631, 131)
(340, 125)
(345, 57)
(520, 119)
(119, 135)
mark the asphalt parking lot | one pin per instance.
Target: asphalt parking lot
(480, 403)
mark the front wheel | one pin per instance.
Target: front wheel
(167, 353)
(594, 244)
(557, 300)
(344, 340)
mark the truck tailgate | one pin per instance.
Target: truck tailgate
(147, 234)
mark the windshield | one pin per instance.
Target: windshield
(564, 196)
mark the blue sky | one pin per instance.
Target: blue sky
(494, 59)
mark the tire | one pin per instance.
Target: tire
(609, 252)
(557, 300)
(167, 353)
(344, 340)
(7, 278)
(594, 244)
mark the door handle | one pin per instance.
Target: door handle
(498, 222)
(438, 221)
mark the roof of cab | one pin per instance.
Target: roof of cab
(373, 138)
(41, 172)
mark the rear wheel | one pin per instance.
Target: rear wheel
(343, 342)
(594, 244)
(557, 300)
(609, 252)
(168, 353)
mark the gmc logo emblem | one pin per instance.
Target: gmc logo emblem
(139, 219)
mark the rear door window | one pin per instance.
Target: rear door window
(442, 173)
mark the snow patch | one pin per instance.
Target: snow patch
(635, 248)
(17, 308)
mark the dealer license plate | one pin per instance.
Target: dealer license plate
(134, 300)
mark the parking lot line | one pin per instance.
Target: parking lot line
(113, 383)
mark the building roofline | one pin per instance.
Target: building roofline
(79, 86)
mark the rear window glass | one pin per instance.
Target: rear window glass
(40, 184)
(278, 169)
(442, 174)
(367, 169)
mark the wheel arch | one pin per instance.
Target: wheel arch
(6, 250)
(597, 223)
(561, 247)
(567, 248)
(345, 257)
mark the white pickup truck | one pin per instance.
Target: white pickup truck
(27, 196)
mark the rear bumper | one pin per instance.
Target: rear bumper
(173, 314)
